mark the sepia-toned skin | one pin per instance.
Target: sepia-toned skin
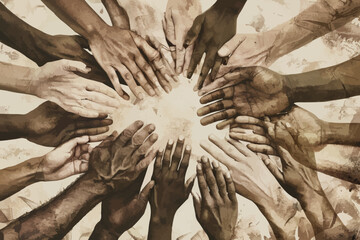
(42, 48)
(114, 48)
(170, 190)
(90, 189)
(264, 48)
(178, 18)
(66, 160)
(209, 32)
(57, 82)
(253, 181)
(258, 91)
(303, 184)
(117, 14)
(49, 125)
(217, 208)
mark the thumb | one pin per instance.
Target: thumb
(144, 194)
(189, 184)
(229, 47)
(74, 66)
(74, 142)
(197, 203)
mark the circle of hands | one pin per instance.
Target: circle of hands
(253, 102)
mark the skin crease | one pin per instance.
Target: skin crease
(91, 188)
(178, 18)
(300, 182)
(208, 33)
(217, 209)
(253, 181)
(170, 190)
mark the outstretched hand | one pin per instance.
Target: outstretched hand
(208, 33)
(257, 92)
(217, 209)
(49, 125)
(57, 82)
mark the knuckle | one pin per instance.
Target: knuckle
(127, 76)
(127, 133)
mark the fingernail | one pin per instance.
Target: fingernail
(181, 138)
(152, 127)
(141, 96)
(187, 148)
(227, 175)
(186, 44)
(204, 159)
(212, 137)
(167, 89)
(201, 92)
(223, 52)
(288, 125)
(178, 70)
(152, 92)
(189, 74)
(215, 164)
(170, 142)
(198, 166)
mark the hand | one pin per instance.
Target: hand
(179, 16)
(217, 209)
(121, 211)
(59, 47)
(209, 32)
(170, 192)
(66, 160)
(258, 92)
(49, 125)
(120, 159)
(118, 49)
(310, 130)
(56, 82)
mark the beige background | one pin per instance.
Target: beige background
(175, 113)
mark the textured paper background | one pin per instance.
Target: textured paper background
(175, 113)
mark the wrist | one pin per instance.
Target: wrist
(162, 218)
(229, 6)
(104, 233)
(30, 170)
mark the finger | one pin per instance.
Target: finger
(94, 106)
(108, 139)
(130, 81)
(220, 180)
(210, 178)
(80, 166)
(126, 135)
(194, 31)
(218, 154)
(225, 93)
(214, 107)
(272, 167)
(202, 182)
(93, 86)
(225, 123)
(144, 194)
(243, 128)
(136, 71)
(144, 148)
(169, 28)
(189, 185)
(167, 155)
(240, 147)
(83, 112)
(89, 123)
(183, 165)
(188, 53)
(228, 148)
(102, 99)
(144, 163)
(229, 47)
(216, 84)
(90, 131)
(197, 204)
(74, 66)
(215, 69)
(177, 154)
(252, 138)
(97, 138)
(199, 50)
(139, 137)
(158, 162)
(208, 64)
(227, 114)
(260, 148)
(230, 187)
(69, 145)
(249, 120)
(163, 82)
(115, 82)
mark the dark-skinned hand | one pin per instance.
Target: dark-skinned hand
(50, 125)
(120, 159)
(257, 92)
(170, 191)
(209, 32)
(217, 208)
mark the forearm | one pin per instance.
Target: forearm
(230, 5)
(15, 78)
(337, 82)
(160, 227)
(101, 232)
(12, 126)
(341, 133)
(319, 19)
(17, 177)
(85, 22)
(73, 204)
(118, 14)
(321, 214)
